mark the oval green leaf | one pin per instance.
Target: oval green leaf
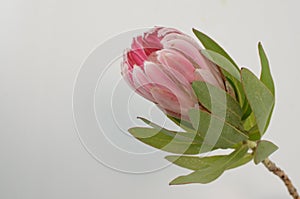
(259, 97)
(215, 131)
(210, 44)
(265, 76)
(218, 102)
(263, 150)
(223, 62)
(212, 172)
(170, 141)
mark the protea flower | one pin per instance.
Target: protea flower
(161, 65)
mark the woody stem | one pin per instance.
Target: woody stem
(271, 166)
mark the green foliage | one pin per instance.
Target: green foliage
(265, 75)
(219, 103)
(215, 130)
(199, 163)
(173, 142)
(263, 150)
(210, 44)
(217, 54)
(226, 120)
(185, 125)
(223, 62)
(259, 97)
(215, 167)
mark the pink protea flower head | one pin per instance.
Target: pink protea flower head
(161, 65)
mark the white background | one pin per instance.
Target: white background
(42, 46)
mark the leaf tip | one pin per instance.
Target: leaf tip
(171, 183)
(131, 130)
(176, 181)
(260, 47)
(170, 158)
(259, 44)
(264, 150)
(194, 30)
(243, 70)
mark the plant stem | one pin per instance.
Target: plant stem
(271, 166)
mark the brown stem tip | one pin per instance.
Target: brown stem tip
(271, 166)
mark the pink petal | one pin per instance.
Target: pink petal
(188, 50)
(141, 83)
(181, 81)
(137, 43)
(170, 102)
(182, 84)
(176, 115)
(166, 99)
(138, 48)
(127, 75)
(217, 74)
(178, 62)
(159, 78)
(134, 58)
(172, 80)
(166, 31)
(166, 93)
(207, 76)
(184, 37)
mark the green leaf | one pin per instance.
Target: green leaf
(212, 172)
(263, 150)
(218, 102)
(231, 73)
(210, 44)
(155, 126)
(254, 133)
(265, 75)
(247, 158)
(189, 134)
(270, 116)
(170, 141)
(250, 122)
(237, 87)
(198, 163)
(201, 176)
(193, 162)
(215, 131)
(181, 123)
(235, 156)
(246, 110)
(232, 77)
(259, 97)
(223, 62)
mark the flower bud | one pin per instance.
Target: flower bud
(161, 65)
